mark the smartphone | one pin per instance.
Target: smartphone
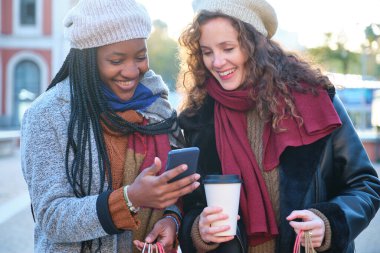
(188, 156)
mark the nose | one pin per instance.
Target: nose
(218, 60)
(130, 71)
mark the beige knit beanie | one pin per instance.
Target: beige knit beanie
(258, 13)
(94, 23)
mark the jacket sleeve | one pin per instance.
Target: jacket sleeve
(60, 215)
(354, 194)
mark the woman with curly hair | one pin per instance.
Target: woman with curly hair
(94, 145)
(273, 119)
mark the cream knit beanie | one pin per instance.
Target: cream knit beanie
(258, 13)
(94, 23)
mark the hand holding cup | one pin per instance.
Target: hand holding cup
(209, 233)
(223, 191)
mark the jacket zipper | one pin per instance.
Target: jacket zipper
(240, 242)
(317, 193)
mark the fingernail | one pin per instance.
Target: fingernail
(197, 176)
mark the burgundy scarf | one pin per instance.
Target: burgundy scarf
(144, 148)
(150, 146)
(236, 156)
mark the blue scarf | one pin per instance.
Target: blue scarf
(142, 98)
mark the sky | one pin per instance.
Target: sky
(307, 20)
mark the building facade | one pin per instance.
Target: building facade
(32, 49)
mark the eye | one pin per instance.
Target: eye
(206, 53)
(115, 61)
(142, 57)
(229, 49)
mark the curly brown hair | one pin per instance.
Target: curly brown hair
(270, 70)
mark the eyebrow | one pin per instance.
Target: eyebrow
(224, 43)
(124, 54)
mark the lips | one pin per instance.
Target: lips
(226, 74)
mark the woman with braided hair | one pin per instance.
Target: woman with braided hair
(94, 145)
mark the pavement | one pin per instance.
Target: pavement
(16, 223)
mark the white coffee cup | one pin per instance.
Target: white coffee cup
(224, 191)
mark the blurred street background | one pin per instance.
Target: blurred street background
(342, 37)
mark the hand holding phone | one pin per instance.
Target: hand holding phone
(188, 156)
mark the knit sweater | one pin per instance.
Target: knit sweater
(255, 131)
(125, 166)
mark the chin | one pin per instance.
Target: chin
(230, 84)
(231, 87)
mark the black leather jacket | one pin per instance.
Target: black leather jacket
(333, 175)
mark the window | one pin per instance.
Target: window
(27, 17)
(27, 78)
(28, 12)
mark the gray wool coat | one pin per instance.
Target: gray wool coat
(62, 221)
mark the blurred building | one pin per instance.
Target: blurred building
(357, 94)
(375, 118)
(32, 50)
(361, 97)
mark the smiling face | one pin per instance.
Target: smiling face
(121, 66)
(222, 54)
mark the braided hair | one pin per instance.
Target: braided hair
(89, 109)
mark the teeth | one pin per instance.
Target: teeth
(226, 72)
(124, 83)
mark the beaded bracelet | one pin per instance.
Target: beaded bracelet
(175, 220)
(128, 202)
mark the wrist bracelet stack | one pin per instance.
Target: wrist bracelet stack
(131, 208)
(175, 221)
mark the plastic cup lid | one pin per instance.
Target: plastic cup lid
(221, 179)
